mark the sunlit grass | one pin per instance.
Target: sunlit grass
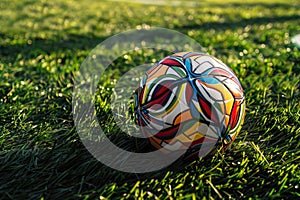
(42, 45)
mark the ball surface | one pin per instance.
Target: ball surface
(190, 101)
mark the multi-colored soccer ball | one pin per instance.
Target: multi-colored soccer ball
(190, 101)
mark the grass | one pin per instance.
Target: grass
(42, 45)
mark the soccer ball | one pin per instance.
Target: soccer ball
(190, 101)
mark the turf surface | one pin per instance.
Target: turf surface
(42, 45)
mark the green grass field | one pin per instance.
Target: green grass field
(42, 45)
